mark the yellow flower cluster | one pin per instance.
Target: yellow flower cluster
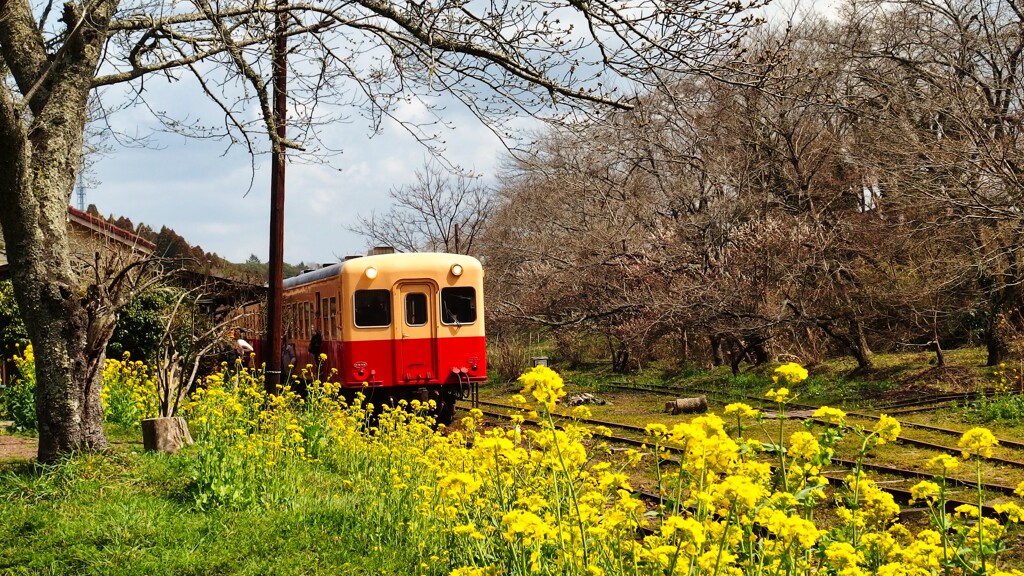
(781, 395)
(830, 415)
(545, 384)
(244, 436)
(977, 441)
(128, 395)
(554, 499)
(887, 429)
(791, 372)
(129, 391)
(740, 409)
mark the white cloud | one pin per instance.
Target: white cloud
(204, 193)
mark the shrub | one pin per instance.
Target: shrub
(129, 392)
(19, 398)
(507, 356)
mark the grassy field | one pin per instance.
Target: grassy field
(128, 513)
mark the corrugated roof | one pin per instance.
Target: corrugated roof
(101, 225)
(86, 220)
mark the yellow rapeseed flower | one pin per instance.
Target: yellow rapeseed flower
(525, 525)
(660, 431)
(843, 555)
(741, 409)
(791, 372)
(926, 490)
(887, 429)
(545, 384)
(1013, 512)
(977, 441)
(803, 445)
(830, 415)
(943, 463)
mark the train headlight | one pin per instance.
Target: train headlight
(456, 269)
(371, 272)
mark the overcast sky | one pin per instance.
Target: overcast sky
(194, 188)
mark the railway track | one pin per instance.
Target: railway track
(896, 407)
(903, 438)
(897, 481)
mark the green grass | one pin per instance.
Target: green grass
(833, 380)
(129, 514)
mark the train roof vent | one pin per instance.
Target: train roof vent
(352, 257)
(378, 250)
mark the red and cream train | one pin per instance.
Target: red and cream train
(396, 326)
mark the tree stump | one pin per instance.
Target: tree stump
(698, 404)
(165, 434)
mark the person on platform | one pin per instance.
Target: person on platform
(288, 358)
(243, 350)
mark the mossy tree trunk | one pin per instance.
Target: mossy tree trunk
(41, 137)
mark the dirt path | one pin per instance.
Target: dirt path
(16, 447)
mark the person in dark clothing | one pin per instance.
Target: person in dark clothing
(287, 357)
(315, 344)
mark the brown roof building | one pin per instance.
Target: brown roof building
(90, 234)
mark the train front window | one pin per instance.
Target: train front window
(416, 309)
(458, 305)
(373, 308)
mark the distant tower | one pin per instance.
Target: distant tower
(81, 194)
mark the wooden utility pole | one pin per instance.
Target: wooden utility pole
(276, 280)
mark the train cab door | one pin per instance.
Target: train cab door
(416, 333)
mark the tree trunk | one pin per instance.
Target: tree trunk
(859, 344)
(759, 348)
(997, 340)
(940, 357)
(40, 155)
(717, 358)
(166, 434)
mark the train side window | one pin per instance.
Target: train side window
(373, 308)
(334, 317)
(416, 309)
(323, 317)
(458, 305)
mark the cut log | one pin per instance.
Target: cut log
(698, 404)
(165, 434)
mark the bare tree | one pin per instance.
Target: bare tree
(497, 59)
(187, 341)
(943, 93)
(441, 212)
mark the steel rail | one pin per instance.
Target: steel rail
(1005, 442)
(902, 494)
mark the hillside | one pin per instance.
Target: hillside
(174, 246)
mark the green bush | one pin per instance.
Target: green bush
(19, 398)
(1002, 408)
